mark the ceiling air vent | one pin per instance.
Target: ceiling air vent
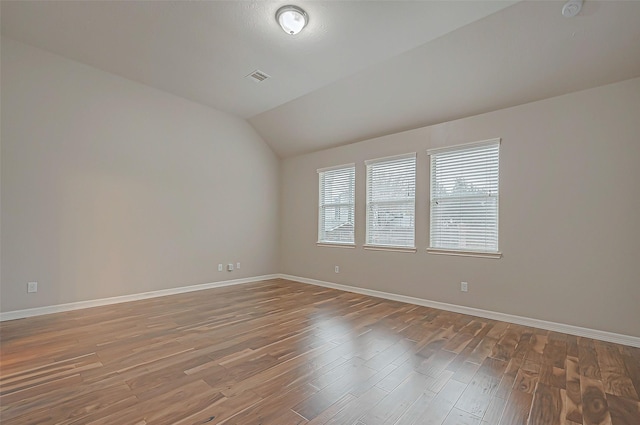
(258, 76)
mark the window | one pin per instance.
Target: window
(464, 199)
(336, 206)
(391, 191)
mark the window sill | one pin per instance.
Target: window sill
(336, 245)
(389, 248)
(462, 253)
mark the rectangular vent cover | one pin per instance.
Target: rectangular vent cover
(258, 76)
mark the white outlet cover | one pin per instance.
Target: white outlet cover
(337, 269)
(237, 265)
(219, 267)
(32, 287)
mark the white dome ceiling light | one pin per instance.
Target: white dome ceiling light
(571, 8)
(292, 19)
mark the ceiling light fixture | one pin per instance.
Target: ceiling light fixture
(292, 19)
(571, 8)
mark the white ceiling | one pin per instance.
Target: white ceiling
(523, 53)
(202, 50)
(360, 69)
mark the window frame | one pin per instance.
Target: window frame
(461, 251)
(389, 247)
(321, 206)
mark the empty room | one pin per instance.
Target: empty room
(320, 212)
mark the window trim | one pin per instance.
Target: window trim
(465, 252)
(323, 243)
(453, 148)
(393, 248)
(336, 167)
(336, 244)
(385, 247)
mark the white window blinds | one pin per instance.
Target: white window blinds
(464, 197)
(391, 189)
(336, 206)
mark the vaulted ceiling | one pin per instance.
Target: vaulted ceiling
(360, 69)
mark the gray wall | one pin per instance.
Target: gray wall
(569, 214)
(110, 187)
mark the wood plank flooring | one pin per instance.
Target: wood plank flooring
(279, 352)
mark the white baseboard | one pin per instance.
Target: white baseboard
(38, 311)
(519, 320)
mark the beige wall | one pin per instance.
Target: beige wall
(569, 214)
(110, 187)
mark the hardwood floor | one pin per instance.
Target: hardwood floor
(279, 352)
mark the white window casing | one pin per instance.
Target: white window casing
(391, 188)
(336, 206)
(464, 199)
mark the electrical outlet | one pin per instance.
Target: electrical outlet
(219, 267)
(237, 265)
(337, 269)
(464, 286)
(32, 287)
(230, 267)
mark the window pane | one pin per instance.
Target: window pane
(468, 224)
(336, 205)
(464, 198)
(391, 201)
(338, 224)
(391, 224)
